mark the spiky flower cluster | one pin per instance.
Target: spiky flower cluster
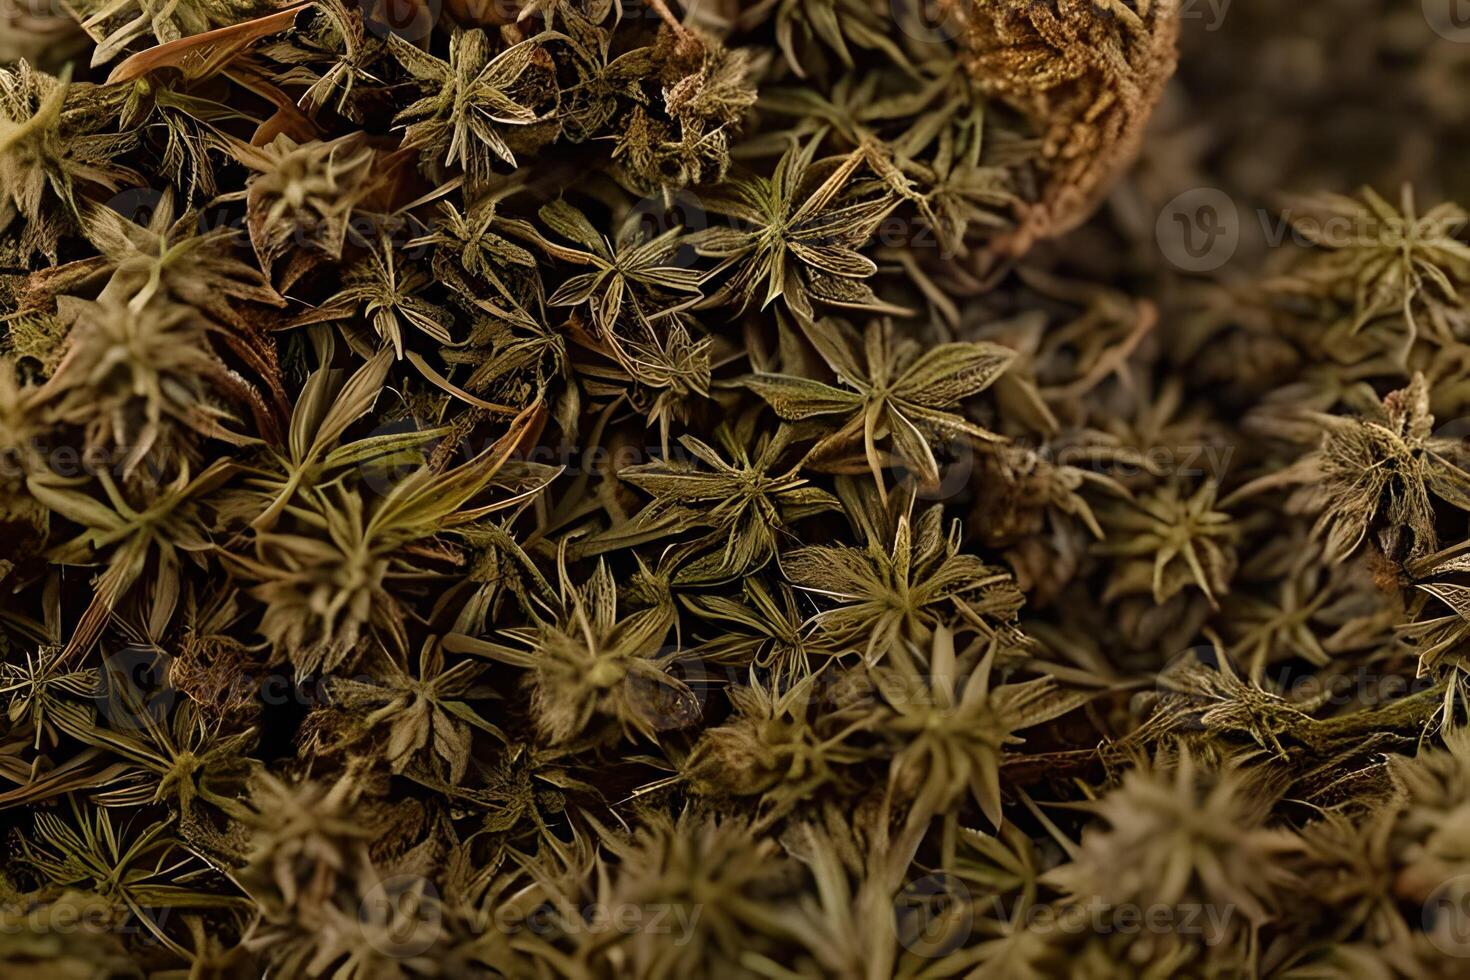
(657, 489)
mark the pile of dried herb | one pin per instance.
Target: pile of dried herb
(782, 489)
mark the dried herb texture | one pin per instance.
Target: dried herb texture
(803, 488)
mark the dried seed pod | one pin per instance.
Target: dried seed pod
(1087, 74)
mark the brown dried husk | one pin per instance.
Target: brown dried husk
(1087, 74)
